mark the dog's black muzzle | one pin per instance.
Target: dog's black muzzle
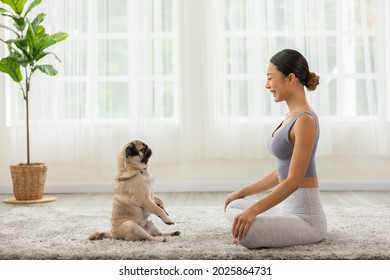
(147, 155)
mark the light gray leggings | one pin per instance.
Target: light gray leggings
(298, 220)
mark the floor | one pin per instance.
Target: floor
(175, 199)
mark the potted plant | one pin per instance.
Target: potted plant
(26, 50)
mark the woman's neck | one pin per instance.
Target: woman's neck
(297, 103)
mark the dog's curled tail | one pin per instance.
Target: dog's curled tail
(99, 235)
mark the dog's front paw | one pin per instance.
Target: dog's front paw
(169, 222)
(162, 207)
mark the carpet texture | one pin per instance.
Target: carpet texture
(354, 232)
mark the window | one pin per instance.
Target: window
(136, 67)
(122, 60)
(118, 61)
(188, 77)
(338, 38)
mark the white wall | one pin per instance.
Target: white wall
(335, 173)
(4, 133)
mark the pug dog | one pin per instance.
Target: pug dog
(134, 200)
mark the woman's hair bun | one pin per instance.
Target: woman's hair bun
(291, 61)
(312, 81)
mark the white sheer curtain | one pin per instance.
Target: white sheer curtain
(187, 77)
(343, 41)
(118, 82)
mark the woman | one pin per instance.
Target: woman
(301, 219)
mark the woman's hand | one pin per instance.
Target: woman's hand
(229, 198)
(242, 222)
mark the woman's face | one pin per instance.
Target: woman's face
(276, 83)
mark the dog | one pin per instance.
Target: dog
(134, 200)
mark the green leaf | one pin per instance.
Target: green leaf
(19, 60)
(16, 5)
(11, 68)
(20, 23)
(22, 45)
(59, 36)
(40, 31)
(47, 69)
(30, 37)
(3, 11)
(46, 41)
(9, 28)
(32, 6)
(43, 54)
(37, 21)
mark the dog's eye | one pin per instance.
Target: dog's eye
(132, 151)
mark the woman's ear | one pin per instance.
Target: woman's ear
(291, 78)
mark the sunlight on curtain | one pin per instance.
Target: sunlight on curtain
(117, 82)
(343, 43)
(188, 78)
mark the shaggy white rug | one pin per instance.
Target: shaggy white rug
(26, 232)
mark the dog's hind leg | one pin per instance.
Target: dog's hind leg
(131, 231)
(153, 230)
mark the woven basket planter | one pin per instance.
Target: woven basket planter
(28, 180)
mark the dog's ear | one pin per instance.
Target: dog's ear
(132, 151)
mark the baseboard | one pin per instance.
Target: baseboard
(204, 187)
(355, 185)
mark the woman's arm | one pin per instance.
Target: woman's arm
(303, 137)
(265, 183)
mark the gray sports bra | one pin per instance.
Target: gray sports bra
(281, 147)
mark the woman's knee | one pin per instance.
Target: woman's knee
(241, 203)
(255, 238)
(234, 204)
